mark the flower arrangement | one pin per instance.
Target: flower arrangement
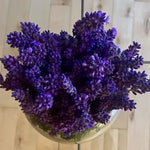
(72, 82)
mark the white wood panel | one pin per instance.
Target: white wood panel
(60, 2)
(67, 146)
(138, 128)
(88, 6)
(3, 15)
(44, 143)
(98, 143)
(142, 0)
(25, 136)
(75, 13)
(8, 119)
(6, 100)
(39, 13)
(97, 5)
(18, 11)
(111, 140)
(123, 21)
(138, 121)
(101, 5)
(86, 146)
(121, 121)
(59, 18)
(122, 140)
(105, 6)
(141, 32)
(95, 144)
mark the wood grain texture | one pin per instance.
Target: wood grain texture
(88, 6)
(141, 31)
(8, 121)
(45, 144)
(105, 6)
(75, 15)
(5, 97)
(142, 0)
(6, 100)
(131, 130)
(25, 136)
(3, 17)
(98, 143)
(18, 11)
(123, 21)
(95, 144)
(101, 5)
(111, 140)
(39, 13)
(122, 139)
(138, 130)
(122, 121)
(59, 22)
(67, 146)
(138, 121)
(60, 2)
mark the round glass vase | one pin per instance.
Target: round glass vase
(84, 136)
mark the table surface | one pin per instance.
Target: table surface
(131, 130)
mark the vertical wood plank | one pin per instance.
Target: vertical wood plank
(18, 11)
(105, 6)
(25, 136)
(45, 144)
(141, 31)
(6, 100)
(59, 18)
(39, 13)
(111, 140)
(88, 6)
(86, 146)
(142, 0)
(60, 2)
(3, 15)
(149, 137)
(122, 140)
(75, 12)
(101, 5)
(12, 12)
(122, 121)
(95, 144)
(98, 143)
(96, 5)
(8, 119)
(138, 136)
(123, 21)
(138, 121)
(67, 146)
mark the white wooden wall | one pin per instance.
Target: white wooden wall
(131, 131)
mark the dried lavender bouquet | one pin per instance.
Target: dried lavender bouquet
(69, 83)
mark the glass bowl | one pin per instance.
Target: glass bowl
(85, 136)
